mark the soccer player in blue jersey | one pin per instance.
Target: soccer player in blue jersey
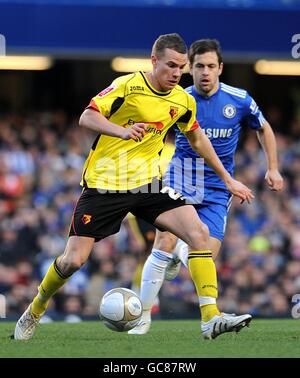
(222, 111)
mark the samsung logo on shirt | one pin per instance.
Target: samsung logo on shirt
(218, 133)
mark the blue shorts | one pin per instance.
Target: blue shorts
(213, 211)
(186, 176)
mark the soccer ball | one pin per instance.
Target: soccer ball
(120, 309)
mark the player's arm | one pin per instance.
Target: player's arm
(94, 120)
(202, 145)
(267, 140)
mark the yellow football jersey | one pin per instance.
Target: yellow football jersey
(117, 164)
(166, 156)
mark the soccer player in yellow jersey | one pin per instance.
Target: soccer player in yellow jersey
(131, 118)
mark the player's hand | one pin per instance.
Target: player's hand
(274, 180)
(135, 132)
(240, 190)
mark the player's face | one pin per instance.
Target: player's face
(167, 69)
(206, 71)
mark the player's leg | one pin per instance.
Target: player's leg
(76, 254)
(214, 215)
(153, 276)
(89, 222)
(185, 223)
(154, 268)
(180, 255)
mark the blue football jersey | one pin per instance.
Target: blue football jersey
(221, 116)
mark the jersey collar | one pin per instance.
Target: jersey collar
(152, 89)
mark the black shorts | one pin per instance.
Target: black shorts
(98, 215)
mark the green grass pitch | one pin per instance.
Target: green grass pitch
(169, 339)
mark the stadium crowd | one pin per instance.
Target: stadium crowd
(41, 160)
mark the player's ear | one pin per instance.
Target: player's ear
(191, 68)
(221, 68)
(154, 60)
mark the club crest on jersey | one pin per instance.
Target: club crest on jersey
(173, 111)
(107, 90)
(229, 111)
(86, 218)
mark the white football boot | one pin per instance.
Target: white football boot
(143, 325)
(172, 268)
(224, 323)
(26, 325)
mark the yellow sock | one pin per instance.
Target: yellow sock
(52, 281)
(209, 311)
(204, 276)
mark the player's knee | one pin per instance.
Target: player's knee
(75, 264)
(165, 242)
(204, 230)
(70, 263)
(199, 237)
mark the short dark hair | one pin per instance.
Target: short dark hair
(169, 41)
(203, 46)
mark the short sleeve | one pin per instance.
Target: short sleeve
(104, 100)
(187, 122)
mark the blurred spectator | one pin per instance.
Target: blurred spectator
(72, 308)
